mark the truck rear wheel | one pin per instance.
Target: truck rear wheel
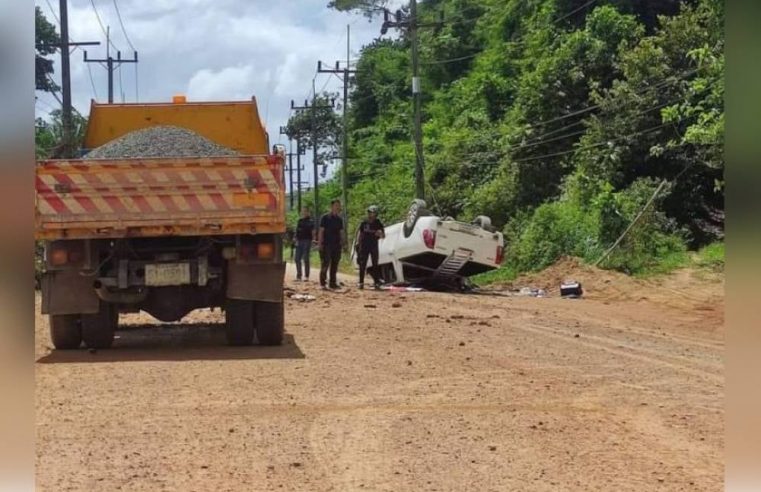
(239, 322)
(270, 321)
(65, 331)
(98, 328)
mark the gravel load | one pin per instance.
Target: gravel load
(159, 141)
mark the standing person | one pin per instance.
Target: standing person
(304, 238)
(370, 231)
(330, 241)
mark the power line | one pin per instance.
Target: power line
(102, 27)
(451, 60)
(121, 23)
(669, 80)
(539, 141)
(92, 81)
(592, 146)
(569, 14)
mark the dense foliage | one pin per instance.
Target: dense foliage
(557, 118)
(45, 37)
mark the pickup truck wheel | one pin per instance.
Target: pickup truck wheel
(417, 209)
(270, 321)
(65, 331)
(98, 328)
(239, 322)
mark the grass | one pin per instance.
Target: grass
(501, 275)
(711, 256)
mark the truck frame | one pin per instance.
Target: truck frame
(164, 235)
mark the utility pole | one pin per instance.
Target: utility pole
(346, 71)
(313, 110)
(290, 164)
(65, 79)
(110, 61)
(419, 162)
(63, 46)
(299, 152)
(412, 25)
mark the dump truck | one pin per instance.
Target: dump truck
(164, 235)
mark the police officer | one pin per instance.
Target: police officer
(370, 231)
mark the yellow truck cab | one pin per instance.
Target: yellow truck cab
(165, 235)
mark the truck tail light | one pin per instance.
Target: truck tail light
(429, 238)
(58, 257)
(265, 251)
(62, 253)
(500, 255)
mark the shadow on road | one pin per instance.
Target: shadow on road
(174, 342)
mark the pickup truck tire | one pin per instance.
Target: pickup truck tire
(484, 223)
(270, 321)
(239, 322)
(417, 209)
(98, 328)
(65, 331)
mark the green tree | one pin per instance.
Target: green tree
(45, 37)
(49, 134)
(324, 120)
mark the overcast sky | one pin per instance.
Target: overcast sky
(210, 50)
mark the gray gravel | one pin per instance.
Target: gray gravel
(159, 141)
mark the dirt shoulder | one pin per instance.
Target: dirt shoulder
(410, 391)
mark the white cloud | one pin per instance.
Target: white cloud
(214, 50)
(230, 83)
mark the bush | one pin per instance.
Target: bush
(569, 228)
(711, 256)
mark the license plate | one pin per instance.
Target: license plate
(167, 274)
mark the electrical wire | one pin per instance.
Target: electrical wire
(92, 81)
(121, 89)
(569, 14)
(539, 140)
(669, 80)
(121, 23)
(592, 146)
(102, 27)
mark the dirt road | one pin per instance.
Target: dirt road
(414, 391)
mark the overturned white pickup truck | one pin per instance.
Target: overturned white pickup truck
(426, 249)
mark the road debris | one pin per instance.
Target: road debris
(302, 297)
(570, 289)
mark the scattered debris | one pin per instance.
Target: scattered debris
(531, 292)
(396, 305)
(302, 297)
(570, 289)
(400, 288)
(370, 306)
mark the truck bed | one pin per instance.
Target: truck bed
(104, 198)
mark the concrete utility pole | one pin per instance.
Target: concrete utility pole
(65, 79)
(346, 71)
(299, 152)
(412, 25)
(418, 133)
(110, 67)
(313, 107)
(289, 166)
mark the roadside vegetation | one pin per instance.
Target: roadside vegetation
(562, 120)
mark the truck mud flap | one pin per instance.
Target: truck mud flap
(255, 282)
(68, 292)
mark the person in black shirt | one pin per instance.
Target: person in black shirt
(330, 242)
(370, 231)
(304, 239)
